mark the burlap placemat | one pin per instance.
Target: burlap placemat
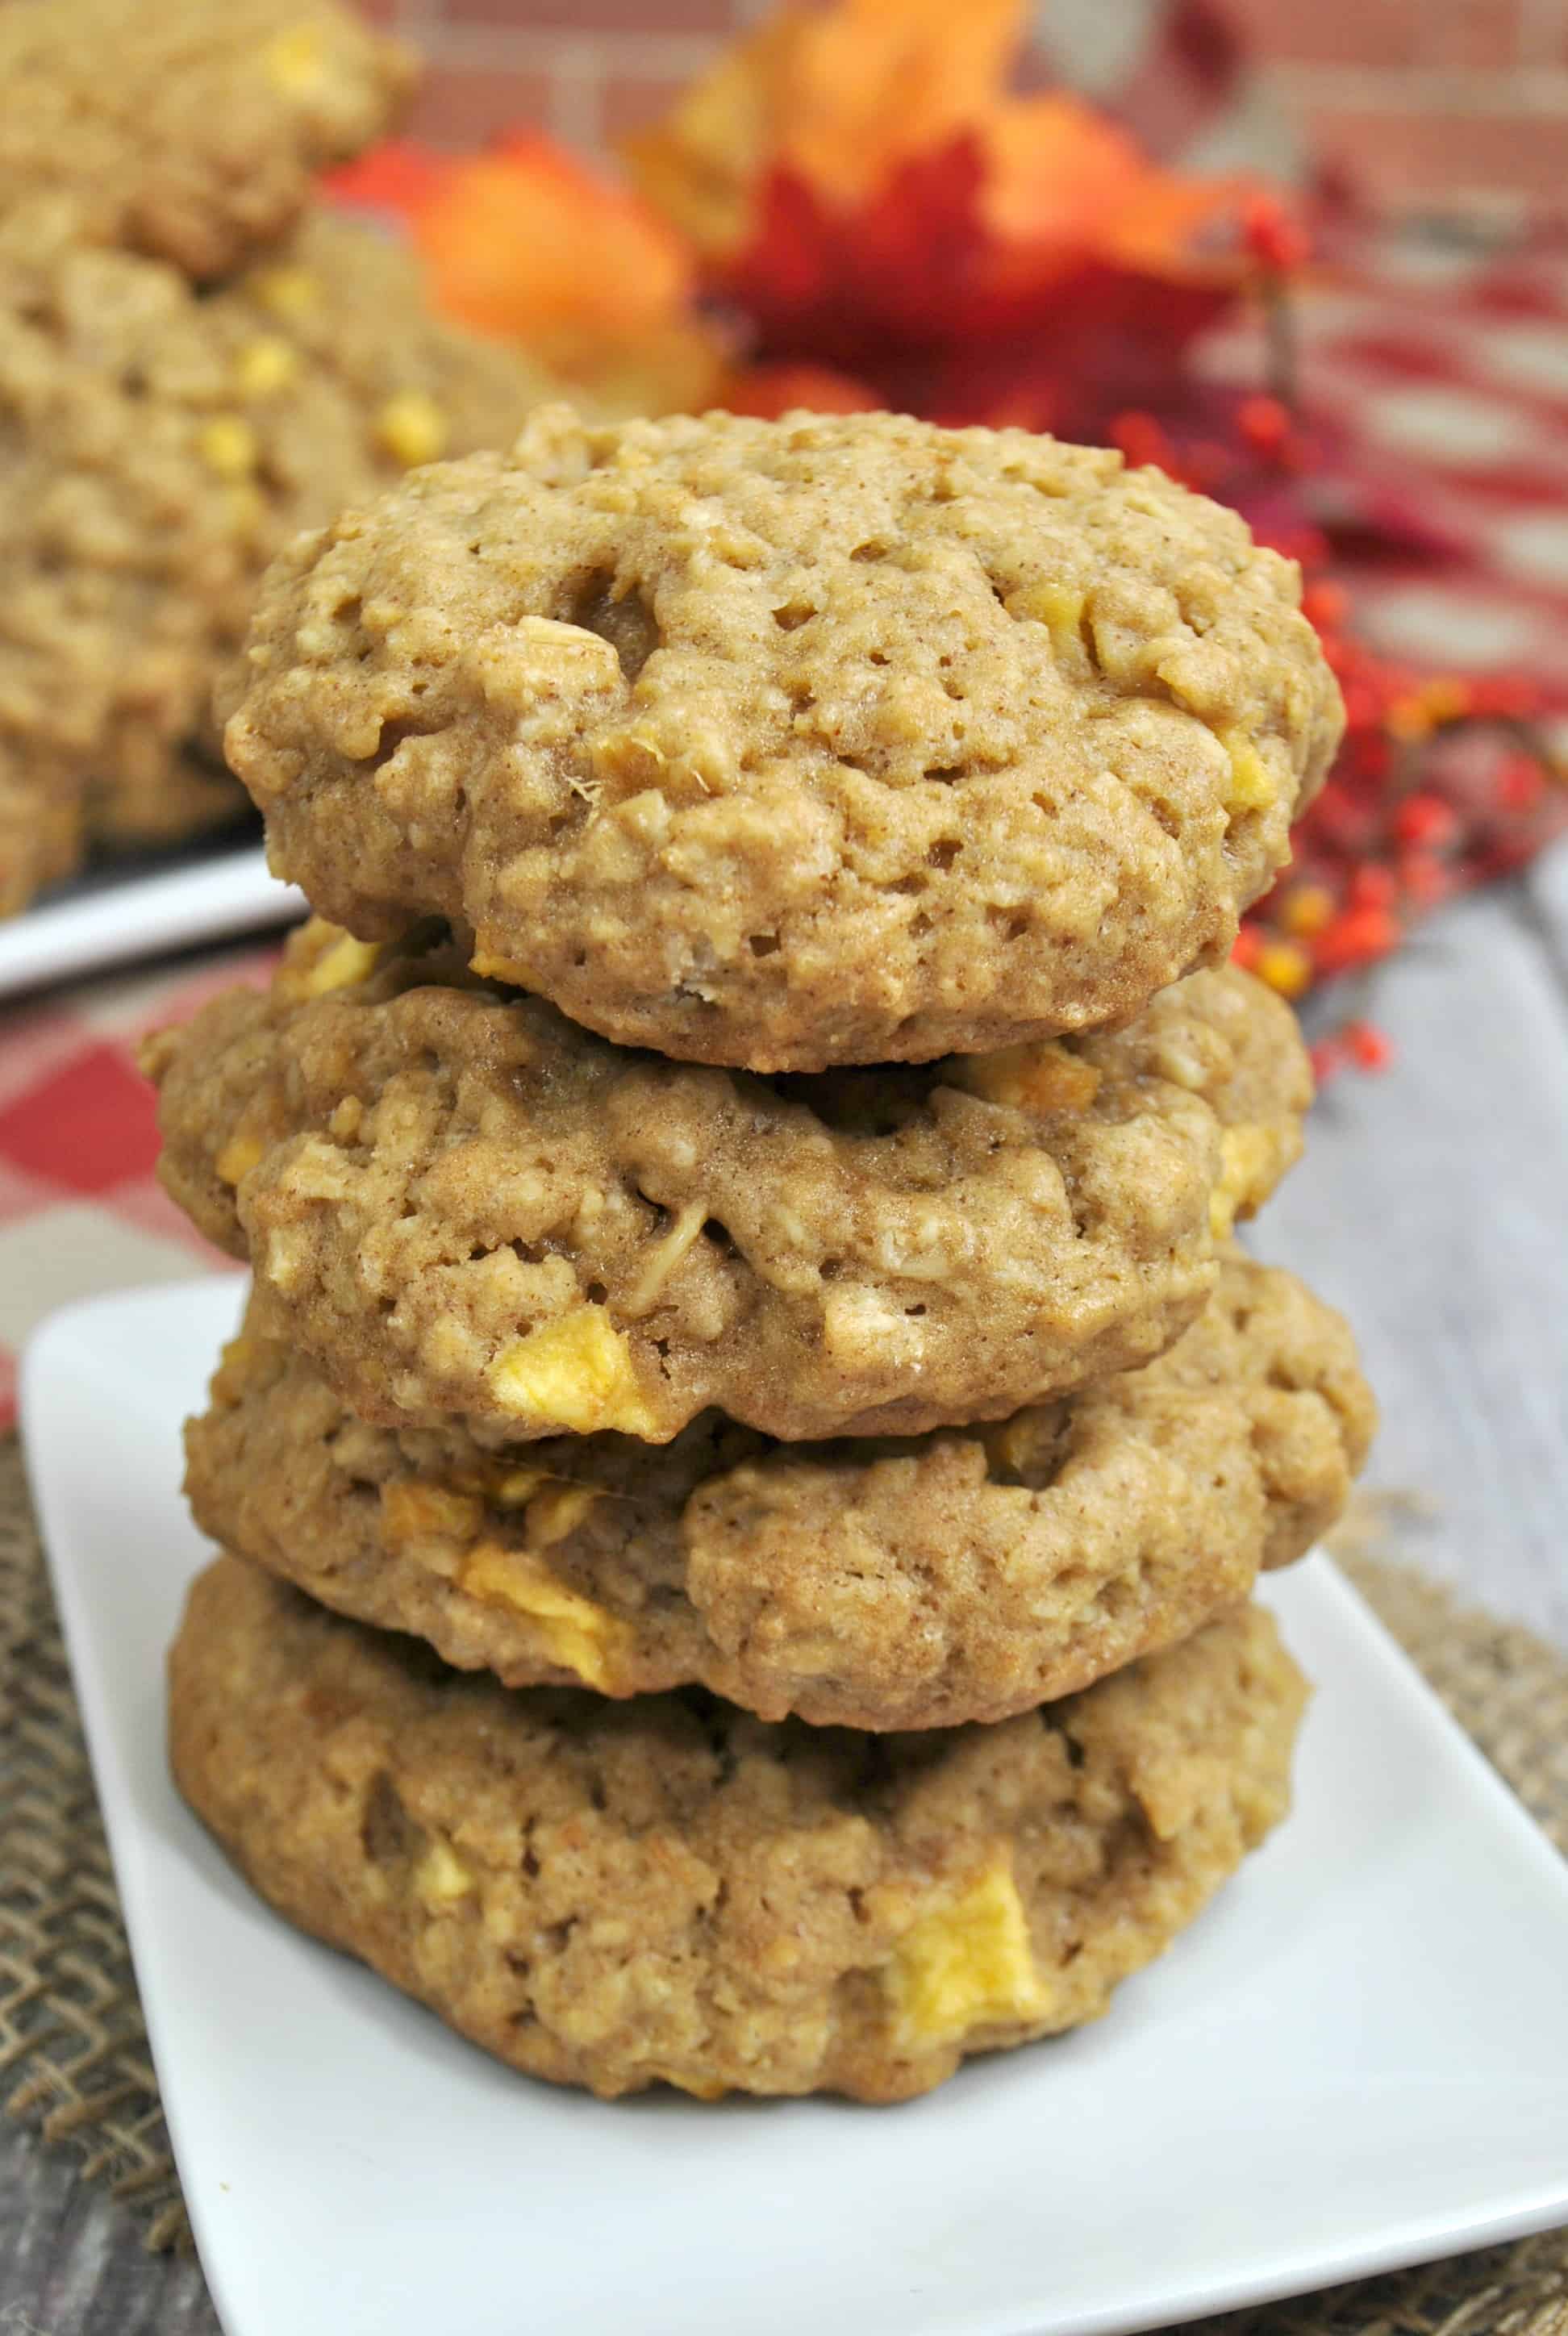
(73, 2056)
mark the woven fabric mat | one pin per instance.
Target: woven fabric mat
(73, 2056)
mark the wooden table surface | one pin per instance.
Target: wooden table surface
(1432, 1206)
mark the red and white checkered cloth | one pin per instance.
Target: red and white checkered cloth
(80, 1209)
(1457, 367)
(1452, 363)
(1454, 371)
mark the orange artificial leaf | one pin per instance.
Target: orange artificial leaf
(529, 244)
(838, 97)
(874, 82)
(395, 177)
(1054, 170)
(1061, 178)
(767, 391)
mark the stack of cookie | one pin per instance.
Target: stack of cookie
(194, 363)
(747, 1363)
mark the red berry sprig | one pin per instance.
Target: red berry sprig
(1403, 822)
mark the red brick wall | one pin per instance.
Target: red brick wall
(587, 70)
(1435, 104)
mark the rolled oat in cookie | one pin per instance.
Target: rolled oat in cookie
(837, 739)
(459, 1202)
(190, 130)
(892, 1584)
(667, 1891)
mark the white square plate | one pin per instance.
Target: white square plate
(141, 909)
(1358, 2057)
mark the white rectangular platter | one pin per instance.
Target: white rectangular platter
(1357, 2058)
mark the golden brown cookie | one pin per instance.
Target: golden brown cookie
(156, 448)
(616, 1895)
(112, 545)
(40, 819)
(190, 130)
(958, 1576)
(355, 310)
(317, 375)
(838, 739)
(460, 1202)
(160, 796)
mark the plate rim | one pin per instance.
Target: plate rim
(142, 914)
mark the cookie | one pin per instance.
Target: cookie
(321, 375)
(157, 798)
(352, 306)
(618, 1895)
(783, 744)
(876, 1585)
(112, 547)
(460, 1202)
(40, 822)
(185, 129)
(159, 448)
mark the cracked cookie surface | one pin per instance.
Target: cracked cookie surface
(958, 1577)
(616, 1895)
(184, 129)
(461, 1204)
(837, 739)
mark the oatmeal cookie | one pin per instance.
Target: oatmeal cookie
(876, 1585)
(317, 375)
(353, 307)
(782, 745)
(667, 1891)
(156, 450)
(459, 1201)
(320, 374)
(112, 548)
(161, 796)
(190, 130)
(39, 818)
